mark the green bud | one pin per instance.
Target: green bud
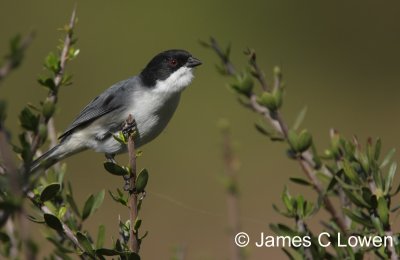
(277, 71)
(43, 131)
(278, 95)
(48, 109)
(293, 140)
(304, 141)
(268, 100)
(244, 84)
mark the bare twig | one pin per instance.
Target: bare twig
(133, 198)
(13, 61)
(232, 192)
(305, 160)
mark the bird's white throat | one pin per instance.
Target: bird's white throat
(176, 82)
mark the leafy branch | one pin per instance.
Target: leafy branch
(356, 177)
(267, 105)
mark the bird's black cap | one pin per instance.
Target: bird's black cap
(166, 63)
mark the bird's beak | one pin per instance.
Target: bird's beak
(193, 62)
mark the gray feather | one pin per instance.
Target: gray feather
(112, 99)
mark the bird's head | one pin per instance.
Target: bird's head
(170, 70)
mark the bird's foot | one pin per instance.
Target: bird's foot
(129, 127)
(110, 158)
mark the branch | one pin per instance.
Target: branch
(13, 60)
(66, 230)
(257, 72)
(302, 229)
(133, 198)
(53, 94)
(232, 190)
(306, 159)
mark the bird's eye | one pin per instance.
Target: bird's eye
(173, 62)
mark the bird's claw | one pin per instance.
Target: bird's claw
(129, 127)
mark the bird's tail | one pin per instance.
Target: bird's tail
(47, 159)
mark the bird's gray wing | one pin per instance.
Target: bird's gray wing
(110, 100)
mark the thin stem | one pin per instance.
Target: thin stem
(302, 229)
(66, 230)
(53, 94)
(133, 196)
(232, 193)
(13, 61)
(258, 73)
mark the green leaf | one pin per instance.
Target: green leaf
(287, 200)
(33, 219)
(50, 191)
(278, 96)
(132, 256)
(138, 223)
(119, 198)
(61, 212)
(53, 222)
(300, 181)
(92, 204)
(85, 243)
(52, 62)
(304, 141)
(281, 229)
(246, 83)
(47, 82)
(353, 215)
(350, 172)
(300, 206)
(100, 237)
(286, 214)
(383, 211)
(141, 180)
(293, 140)
(300, 118)
(115, 169)
(390, 177)
(356, 198)
(268, 100)
(388, 158)
(107, 252)
(28, 120)
(48, 109)
(262, 129)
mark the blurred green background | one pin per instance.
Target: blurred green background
(340, 58)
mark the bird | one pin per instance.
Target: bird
(150, 97)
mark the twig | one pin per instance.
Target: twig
(230, 69)
(302, 229)
(13, 61)
(66, 230)
(133, 198)
(306, 159)
(232, 192)
(257, 73)
(53, 94)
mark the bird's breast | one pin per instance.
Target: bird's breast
(152, 111)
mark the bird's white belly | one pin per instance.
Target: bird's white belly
(151, 118)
